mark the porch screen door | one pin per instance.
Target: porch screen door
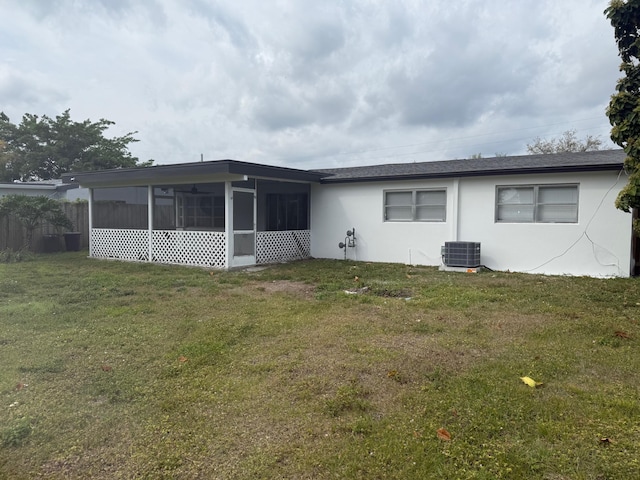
(244, 230)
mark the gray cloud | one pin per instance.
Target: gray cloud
(309, 84)
(18, 92)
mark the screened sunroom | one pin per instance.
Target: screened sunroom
(219, 214)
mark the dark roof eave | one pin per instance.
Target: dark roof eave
(482, 173)
(188, 173)
(258, 170)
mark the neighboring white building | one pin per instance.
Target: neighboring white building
(551, 214)
(55, 189)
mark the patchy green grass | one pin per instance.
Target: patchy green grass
(115, 370)
(14, 256)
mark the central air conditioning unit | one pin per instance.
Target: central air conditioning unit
(461, 254)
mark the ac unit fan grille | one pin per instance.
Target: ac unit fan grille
(461, 254)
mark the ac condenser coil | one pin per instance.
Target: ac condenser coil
(461, 254)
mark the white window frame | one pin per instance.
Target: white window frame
(413, 208)
(534, 210)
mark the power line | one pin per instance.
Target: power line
(448, 141)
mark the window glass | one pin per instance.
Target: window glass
(515, 213)
(431, 197)
(557, 214)
(399, 213)
(516, 195)
(431, 205)
(399, 198)
(557, 204)
(537, 203)
(564, 194)
(415, 205)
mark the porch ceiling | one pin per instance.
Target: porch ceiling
(200, 172)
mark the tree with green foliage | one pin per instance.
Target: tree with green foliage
(34, 211)
(568, 142)
(44, 148)
(624, 106)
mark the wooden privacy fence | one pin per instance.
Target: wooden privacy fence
(13, 235)
(106, 215)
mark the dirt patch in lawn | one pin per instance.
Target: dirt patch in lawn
(300, 289)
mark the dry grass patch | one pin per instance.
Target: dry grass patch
(280, 374)
(300, 289)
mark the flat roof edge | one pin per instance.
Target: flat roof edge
(188, 172)
(480, 173)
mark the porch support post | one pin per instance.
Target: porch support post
(90, 212)
(150, 220)
(228, 224)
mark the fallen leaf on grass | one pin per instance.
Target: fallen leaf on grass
(621, 334)
(20, 386)
(606, 441)
(443, 434)
(182, 359)
(531, 382)
(106, 368)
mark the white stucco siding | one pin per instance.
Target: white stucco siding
(338, 208)
(599, 244)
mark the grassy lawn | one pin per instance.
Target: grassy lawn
(114, 370)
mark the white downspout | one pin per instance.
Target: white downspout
(455, 207)
(90, 222)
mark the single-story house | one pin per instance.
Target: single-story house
(551, 214)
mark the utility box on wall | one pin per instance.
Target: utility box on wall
(461, 254)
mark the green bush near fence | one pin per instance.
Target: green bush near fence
(13, 234)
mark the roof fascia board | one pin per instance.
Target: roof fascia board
(483, 173)
(164, 180)
(220, 170)
(28, 186)
(275, 173)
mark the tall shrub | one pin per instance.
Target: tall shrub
(34, 211)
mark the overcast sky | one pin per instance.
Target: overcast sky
(312, 84)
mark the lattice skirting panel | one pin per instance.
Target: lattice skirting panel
(122, 244)
(204, 249)
(274, 247)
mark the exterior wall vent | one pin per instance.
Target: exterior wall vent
(461, 254)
